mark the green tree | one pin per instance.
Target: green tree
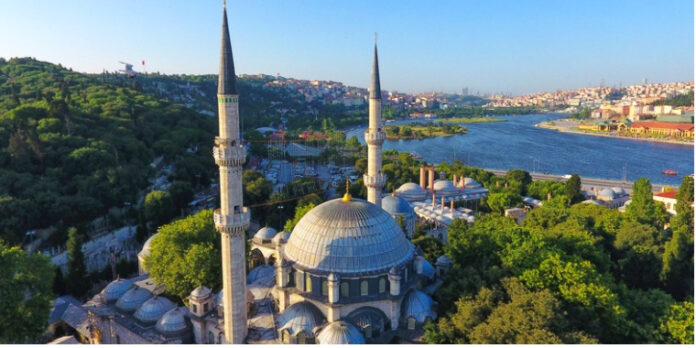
(520, 176)
(684, 210)
(158, 207)
(181, 193)
(25, 294)
(642, 207)
(498, 202)
(77, 283)
(186, 254)
(678, 263)
(678, 323)
(573, 189)
(299, 213)
(58, 283)
(432, 247)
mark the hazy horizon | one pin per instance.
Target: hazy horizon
(508, 47)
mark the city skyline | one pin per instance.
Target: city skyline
(500, 47)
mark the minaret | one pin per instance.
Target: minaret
(374, 137)
(232, 219)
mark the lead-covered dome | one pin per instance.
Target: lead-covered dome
(264, 235)
(340, 332)
(116, 289)
(153, 309)
(347, 237)
(132, 299)
(396, 205)
(173, 322)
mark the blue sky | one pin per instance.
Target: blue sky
(515, 47)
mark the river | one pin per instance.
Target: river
(516, 143)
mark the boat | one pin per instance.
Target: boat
(669, 172)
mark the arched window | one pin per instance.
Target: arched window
(324, 288)
(345, 289)
(411, 323)
(363, 288)
(301, 338)
(308, 283)
(195, 309)
(382, 285)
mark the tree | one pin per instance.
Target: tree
(432, 247)
(25, 294)
(573, 189)
(642, 207)
(58, 283)
(520, 176)
(678, 323)
(159, 207)
(77, 283)
(181, 193)
(498, 202)
(678, 263)
(299, 213)
(685, 198)
(186, 254)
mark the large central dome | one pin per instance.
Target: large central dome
(348, 238)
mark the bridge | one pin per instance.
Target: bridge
(588, 184)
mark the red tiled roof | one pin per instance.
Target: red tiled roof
(664, 125)
(667, 194)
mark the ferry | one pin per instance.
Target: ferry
(669, 172)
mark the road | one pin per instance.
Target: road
(588, 184)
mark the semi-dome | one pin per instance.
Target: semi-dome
(444, 187)
(419, 306)
(368, 317)
(132, 299)
(428, 270)
(411, 192)
(116, 289)
(340, 332)
(619, 191)
(396, 205)
(281, 237)
(173, 322)
(153, 309)
(301, 316)
(348, 237)
(607, 193)
(264, 235)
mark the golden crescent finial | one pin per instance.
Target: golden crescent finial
(347, 197)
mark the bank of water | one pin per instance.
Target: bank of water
(516, 143)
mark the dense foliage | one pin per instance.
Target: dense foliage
(186, 254)
(73, 146)
(578, 274)
(23, 318)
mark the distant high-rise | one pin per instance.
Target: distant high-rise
(374, 137)
(232, 219)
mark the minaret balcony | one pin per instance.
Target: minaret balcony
(229, 155)
(374, 181)
(374, 138)
(234, 223)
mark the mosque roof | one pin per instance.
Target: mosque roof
(173, 322)
(301, 316)
(264, 234)
(418, 305)
(396, 205)
(340, 332)
(153, 309)
(347, 237)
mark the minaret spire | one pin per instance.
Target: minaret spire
(232, 219)
(374, 137)
(227, 81)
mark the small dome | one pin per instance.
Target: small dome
(396, 205)
(301, 316)
(619, 191)
(428, 270)
(153, 309)
(132, 299)
(348, 238)
(200, 292)
(264, 235)
(470, 183)
(607, 193)
(443, 260)
(445, 188)
(418, 305)
(281, 237)
(340, 332)
(411, 192)
(260, 272)
(147, 247)
(116, 289)
(173, 322)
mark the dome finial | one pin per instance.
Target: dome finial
(347, 197)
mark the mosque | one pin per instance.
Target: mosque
(347, 273)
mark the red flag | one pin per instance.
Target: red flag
(143, 62)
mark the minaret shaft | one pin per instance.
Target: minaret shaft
(374, 180)
(232, 219)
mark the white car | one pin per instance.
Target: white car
(567, 176)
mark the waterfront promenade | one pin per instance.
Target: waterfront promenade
(587, 183)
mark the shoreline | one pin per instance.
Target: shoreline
(546, 125)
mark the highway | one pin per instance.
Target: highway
(588, 184)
